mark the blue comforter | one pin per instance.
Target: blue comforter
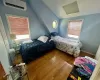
(31, 51)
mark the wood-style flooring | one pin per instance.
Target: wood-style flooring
(54, 65)
(2, 72)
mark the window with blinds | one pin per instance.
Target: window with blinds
(74, 28)
(19, 26)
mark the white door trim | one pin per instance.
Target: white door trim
(3, 33)
(96, 72)
(3, 50)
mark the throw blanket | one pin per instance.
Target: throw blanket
(86, 65)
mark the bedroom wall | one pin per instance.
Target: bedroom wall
(90, 33)
(36, 27)
(45, 14)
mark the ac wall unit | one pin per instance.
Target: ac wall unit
(19, 4)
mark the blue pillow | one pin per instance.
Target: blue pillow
(54, 34)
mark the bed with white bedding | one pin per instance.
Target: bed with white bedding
(68, 45)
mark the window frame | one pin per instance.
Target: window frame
(80, 30)
(7, 15)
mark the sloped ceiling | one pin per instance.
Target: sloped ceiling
(85, 7)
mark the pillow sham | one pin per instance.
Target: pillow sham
(44, 39)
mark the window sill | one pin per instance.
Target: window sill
(73, 37)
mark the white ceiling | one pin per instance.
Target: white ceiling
(85, 7)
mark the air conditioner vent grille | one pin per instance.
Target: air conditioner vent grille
(13, 5)
(71, 8)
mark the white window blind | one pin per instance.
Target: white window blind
(74, 28)
(19, 26)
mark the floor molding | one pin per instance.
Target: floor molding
(88, 52)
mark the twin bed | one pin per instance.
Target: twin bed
(35, 49)
(66, 45)
(38, 47)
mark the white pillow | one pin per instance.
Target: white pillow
(27, 41)
(43, 39)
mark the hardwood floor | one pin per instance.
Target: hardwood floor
(55, 65)
(2, 72)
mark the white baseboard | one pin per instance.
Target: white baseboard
(88, 52)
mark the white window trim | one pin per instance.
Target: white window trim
(74, 36)
(19, 17)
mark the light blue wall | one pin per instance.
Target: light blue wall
(45, 14)
(90, 34)
(36, 27)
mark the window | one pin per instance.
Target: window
(55, 24)
(19, 26)
(74, 28)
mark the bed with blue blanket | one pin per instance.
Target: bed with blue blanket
(31, 51)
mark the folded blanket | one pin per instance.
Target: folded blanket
(88, 67)
(82, 72)
(82, 60)
(85, 64)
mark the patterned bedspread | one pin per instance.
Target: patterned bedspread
(68, 45)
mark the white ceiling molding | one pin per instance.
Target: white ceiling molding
(85, 7)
